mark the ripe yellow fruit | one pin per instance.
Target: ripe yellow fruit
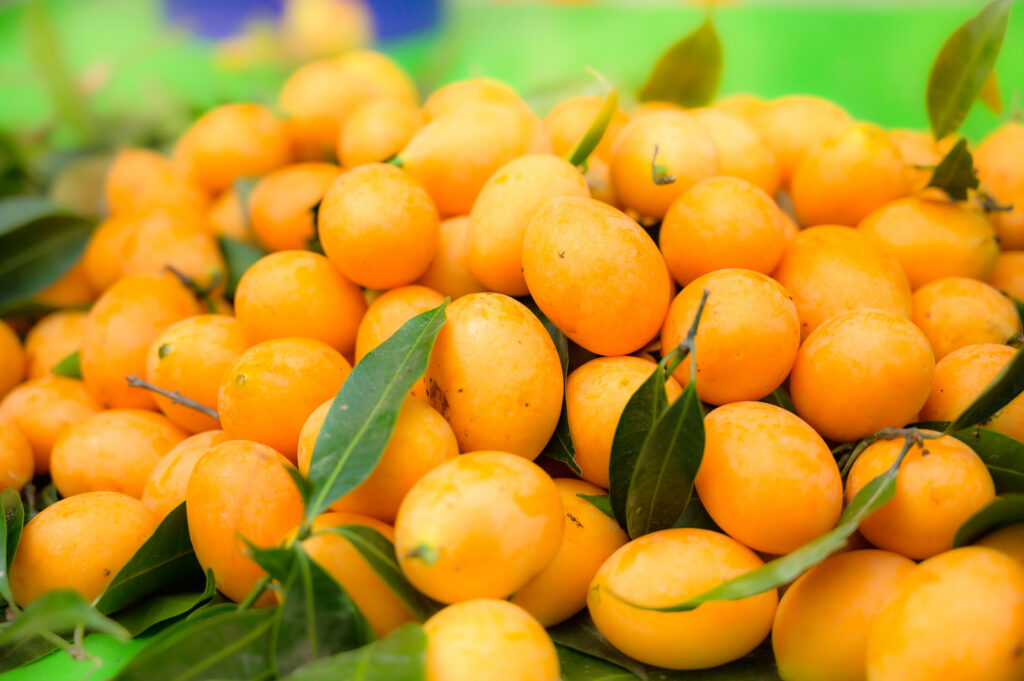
(449, 273)
(794, 125)
(166, 237)
(53, 338)
(470, 92)
(165, 487)
(12, 359)
(955, 312)
(916, 149)
(997, 159)
(741, 151)
(1008, 275)
(390, 311)
(1008, 540)
(16, 460)
(141, 179)
(377, 130)
(570, 119)
(281, 204)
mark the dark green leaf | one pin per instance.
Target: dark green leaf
(955, 174)
(1004, 510)
(557, 337)
(581, 634)
(1020, 310)
(1008, 384)
(401, 656)
(166, 606)
(59, 612)
(592, 137)
(576, 666)
(239, 256)
(963, 65)
(300, 481)
(25, 652)
(231, 644)
(379, 552)
(638, 417)
(560, 446)
(363, 414)
(10, 535)
(165, 559)
(697, 516)
(780, 398)
(689, 71)
(759, 665)
(70, 366)
(1003, 455)
(602, 501)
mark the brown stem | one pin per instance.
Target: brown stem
(175, 396)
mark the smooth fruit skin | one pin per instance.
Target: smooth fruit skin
(44, 408)
(141, 179)
(53, 338)
(103, 260)
(595, 395)
(503, 210)
(79, 543)
(997, 159)
(822, 624)
(12, 359)
(782, 470)
(861, 371)
(495, 376)
(389, 312)
(940, 485)
(933, 239)
(449, 273)
(478, 526)
(588, 539)
(371, 594)
(298, 293)
(829, 270)
(74, 289)
(570, 120)
(16, 460)
(959, 615)
(113, 451)
(122, 325)
(741, 151)
(747, 338)
(684, 149)
(792, 126)
(1008, 275)
(378, 226)
(239, 489)
(166, 484)
(375, 131)
(227, 217)
(469, 92)
(190, 357)
(647, 571)
(168, 237)
(596, 274)
(272, 388)
(718, 223)
(918, 151)
(421, 441)
(1008, 540)
(488, 640)
(956, 312)
(281, 204)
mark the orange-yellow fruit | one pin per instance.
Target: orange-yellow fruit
(190, 358)
(312, 29)
(449, 273)
(960, 377)
(595, 395)
(390, 311)
(53, 338)
(822, 624)
(589, 537)
(792, 126)
(380, 75)
(941, 483)
(959, 615)
(103, 260)
(481, 525)
(232, 141)
(16, 460)
(685, 152)
(379, 226)
(747, 338)
(741, 151)
(647, 571)
(281, 205)
(915, 149)
(226, 217)
(495, 376)
(740, 104)
(239, 489)
(1008, 275)
(1008, 540)
(503, 210)
(73, 289)
(782, 470)
(570, 120)
(997, 159)
(12, 359)
(44, 408)
(141, 179)
(575, 254)
(830, 270)
(376, 130)
(371, 594)
(272, 388)
(78, 543)
(165, 238)
(166, 484)
(860, 372)
(113, 451)
(122, 325)
(298, 293)
(488, 640)
(933, 239)
(718, 223)
(421, 441)
(955, 312)
(470, 92)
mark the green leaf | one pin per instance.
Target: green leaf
(780, 398)
(759, 665)
(1004, 510)
(689, 71)
(25, 652)
(1008, 384)
(70, 366)
(166, 606)
(602, 501)
(401, 656)
(166, 558)
(239, 256)
(560, 446)
(39, 243)
(963, 65)
(557, 337)
(581, 634)
(363, 414)
(697, 516)
(577, 666)
(231, 644)
(1020, 309)
(1003, 455)
(955, 174)
(990, 96)
(10, 535)
(787, 568)
(379, 552)
(59, 612)
(592, 137)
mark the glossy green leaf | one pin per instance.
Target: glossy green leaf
(26, 651)
(697, 516)
(59, 612)
(557, 337)
(165, 559)
(1003, 455)
(780, 398)
(1002, 511)
(401, 656)
(595, 132)
(10, 535)
(239, 256)
(577, 666)
(231, 644)
(70, 366)
(963, 65)
(955, 173)
(688, 72)
(759, 665)
(165, 606)
(1020, 310)
(580, 634)
(379, 552)
(1008, 384)
(602, 501)
(560, 446)
(363, 414)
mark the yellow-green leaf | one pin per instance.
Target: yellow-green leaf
(688, 72)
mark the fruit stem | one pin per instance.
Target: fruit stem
(202, 293)
(256, 592)
(175, 396)
(659, 173)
